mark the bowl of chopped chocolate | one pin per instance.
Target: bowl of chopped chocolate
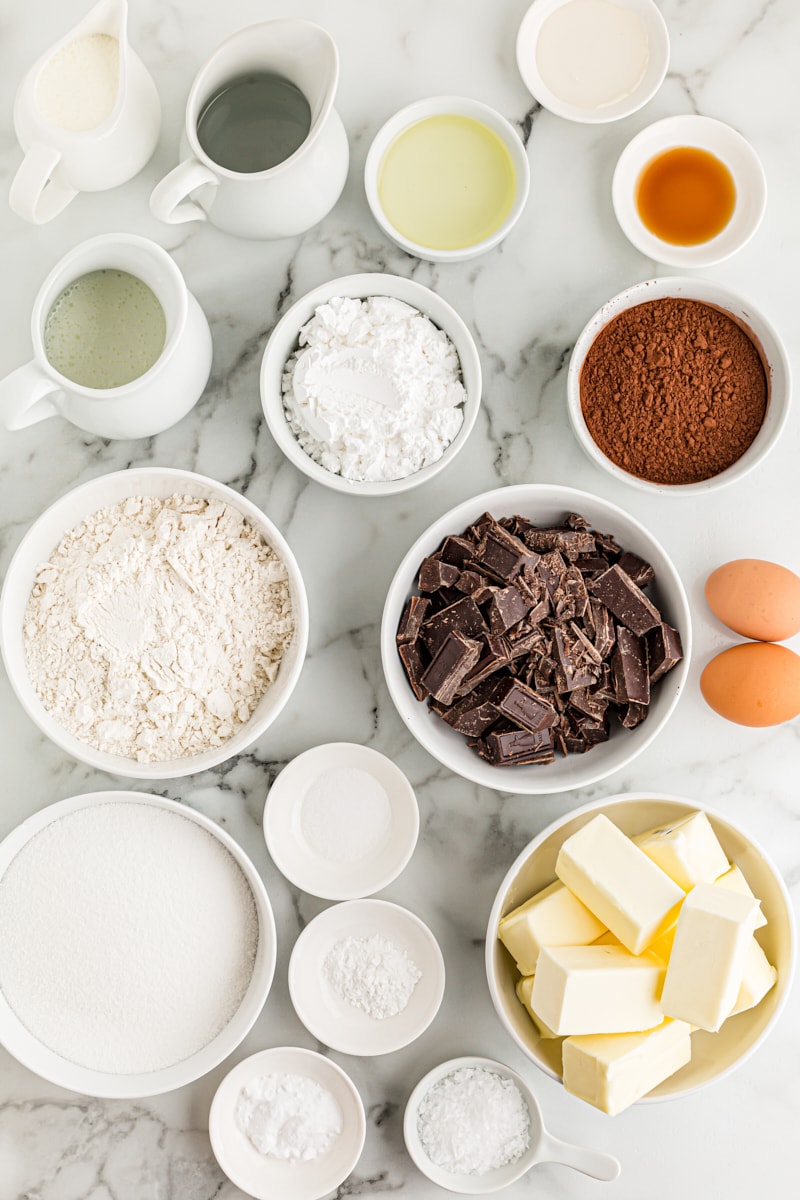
(535, 639)
(678, 385)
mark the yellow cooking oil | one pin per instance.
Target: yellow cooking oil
(447, 182)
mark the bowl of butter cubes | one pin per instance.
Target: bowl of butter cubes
(640, 948)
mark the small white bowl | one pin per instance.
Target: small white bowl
(714, 1055)
(762, 333)
(542, 503)
(48, 1064)
(543, 1146)
(284, 340)
(726, 145)
(658, 61)
(434, 106)
(46, 533)
(301, 863)
(263, 1176)
(331, 1019)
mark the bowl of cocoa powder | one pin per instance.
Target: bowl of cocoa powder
(678, 385)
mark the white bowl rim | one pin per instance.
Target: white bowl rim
(683, 287)
(192, 764)
(167, 1079)
(573, 500)
(597, 806)
(430, 106)
(364, 284)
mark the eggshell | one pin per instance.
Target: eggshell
(756, 683)
(755, 598)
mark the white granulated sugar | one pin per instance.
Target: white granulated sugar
(346, 815)
(128, 936)
(374, 393)
(473, 1121)
(372, 974)
(156, 626)
(290, 1117)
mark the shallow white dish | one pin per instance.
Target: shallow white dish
(42, 538)
(433, 106)
(714, 1055)
(335, 1022)
(297, 858)
(543, 1146)
(658, 61)
(725, 144)
(763, 333)
(542, 503)
(43, 1061)
(284, 340)
(265, 1177)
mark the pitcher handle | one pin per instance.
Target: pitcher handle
(35, 196)
(590, 1162)
(169, 202)
(27, 395)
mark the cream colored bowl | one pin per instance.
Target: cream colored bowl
(714, 1055)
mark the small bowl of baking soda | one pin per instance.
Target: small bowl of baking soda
(371, 384)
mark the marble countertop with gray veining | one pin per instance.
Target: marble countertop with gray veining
(525, 303)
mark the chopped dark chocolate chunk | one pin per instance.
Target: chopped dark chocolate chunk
(464, 616)
(412, 661)
(474, 714)
(456, 551)
(468, 582)
(604, 631)
(640, 571)
(573, 666)
(495, 655)
(569, 542)
(633, 715)
(523, 706)
(414, 614)
(501, 554)
(629, 668)
(506, 608)
(570, 598)
(625, 601)
(508, 747)
(451, 662)
(590, 565)
(664, 651)
(550, 568)
(435, 574)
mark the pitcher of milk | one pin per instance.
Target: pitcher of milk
(87, 116)
(265, 152)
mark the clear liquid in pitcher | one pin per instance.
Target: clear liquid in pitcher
(254, 122)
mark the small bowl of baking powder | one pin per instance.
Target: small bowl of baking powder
(371, 384)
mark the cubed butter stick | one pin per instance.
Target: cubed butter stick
(734, 881)
(524, 989)
(614, 1070)
(759, 977)
(553, 917)
(596, 989)
(706, 966)
(618, 883)
(688, 850)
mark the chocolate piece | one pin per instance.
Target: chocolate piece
(414, 614)
(585, 700)
(570, 598)
(414, 666)
(604, 632)
(435, 574)
(523, 706)
(569, 542)
(506, 608)
(640, 571)
(474, 714)
(451, 662)
(607, 545)
(495, 656)
(633, 715)
(629, 668)
(574, 669)
(464, 616)
(501, 554)
(510, 747)
(591, 565)
(625, 601)
(664, 651)
(550, 568)
(468, 582)
(456, 551)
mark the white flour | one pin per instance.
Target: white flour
(289, 1117)
(374, 392)
(156, 626)
(372, 974)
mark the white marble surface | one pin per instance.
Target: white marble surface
(526, 302)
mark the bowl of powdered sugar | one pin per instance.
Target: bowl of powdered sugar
(153, 623)
(371, 384)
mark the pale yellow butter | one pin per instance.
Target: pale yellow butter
(614, 1070)
(759, 976)
(524, 989)
(734, 881)
(688, 851)
(706, 966)
(596, 989)
(553, 917)
(616, 881)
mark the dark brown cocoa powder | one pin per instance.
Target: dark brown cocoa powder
(673, 391)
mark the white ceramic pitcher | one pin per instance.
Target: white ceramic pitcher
(294, 195)
(60, 162)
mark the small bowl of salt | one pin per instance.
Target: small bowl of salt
(341, 821)
(473, 1126)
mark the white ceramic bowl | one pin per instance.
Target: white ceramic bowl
(333, 1020)
(263, 1176)
(283, 341)
(42, 538)
(301, 862)
(714, 1055)
(725, 144)
(658, 42)
(762, 332)
(48, 1064)
(434, 106)
(541, 503)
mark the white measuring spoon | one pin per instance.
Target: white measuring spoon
(543, 1146)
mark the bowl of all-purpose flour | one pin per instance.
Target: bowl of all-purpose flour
(371, 384)
(153, 623)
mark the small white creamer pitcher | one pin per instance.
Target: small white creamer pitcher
(78, 134)
(149, 403)
(288, 198)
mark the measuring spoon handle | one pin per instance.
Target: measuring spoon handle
(590, 1162)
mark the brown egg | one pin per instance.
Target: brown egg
(754, 684)
(755, 598)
